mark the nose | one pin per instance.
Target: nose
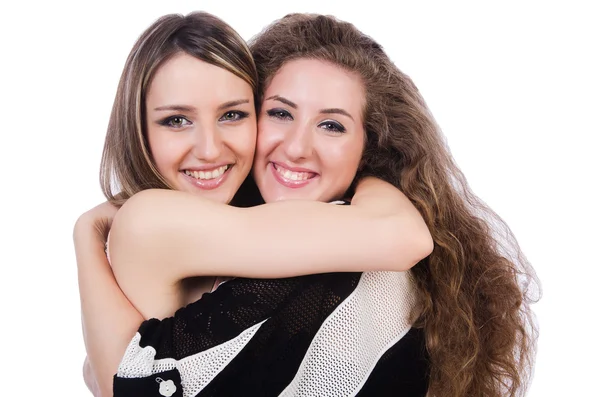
(298, 143)
(207, 143)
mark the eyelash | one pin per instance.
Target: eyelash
(168, 121)
(282, 114)
(337, 127)
(240, 115)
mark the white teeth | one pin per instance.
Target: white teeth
(207, 174)
(291, 175)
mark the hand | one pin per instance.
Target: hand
(98, 220)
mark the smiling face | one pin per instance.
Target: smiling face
(201, 127)
(311, 133)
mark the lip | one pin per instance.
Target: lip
(293, 169)
(205, 167)
(206, 184)
(289, 183)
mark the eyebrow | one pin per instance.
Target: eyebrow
(179, 108)
(283, 100)
(323, 111)
(336, 111)
(231, 104)
(191, 109)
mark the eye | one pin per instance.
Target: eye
(280, 114)
(332, 126)
(175, 122)
(234, 115)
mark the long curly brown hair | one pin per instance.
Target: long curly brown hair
(476, 286)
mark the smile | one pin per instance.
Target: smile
(208, 174)
(207, 179)
(293, 179)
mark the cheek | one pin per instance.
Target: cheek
(268, 137)
(243, 144)
(343, 161)
(163, 151)
(354, 152)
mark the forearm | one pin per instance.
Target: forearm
(179, 235)
(109, 319)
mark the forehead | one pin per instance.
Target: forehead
(319, 84)
(187, 79)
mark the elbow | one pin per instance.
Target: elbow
(89, 378)
(98, 389)
(424, 244)
(411, 244)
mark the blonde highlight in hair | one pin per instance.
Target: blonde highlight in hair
(127, 166)
(476, 286)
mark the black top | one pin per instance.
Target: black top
(335, 334)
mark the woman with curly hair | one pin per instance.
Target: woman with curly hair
(474, 289)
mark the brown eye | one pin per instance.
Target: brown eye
(175, 122)
(279, 114)
(230, 116)
(333, 127)
(234, 115)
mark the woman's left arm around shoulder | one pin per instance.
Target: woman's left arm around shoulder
(169, 235)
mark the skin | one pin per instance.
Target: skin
(187, 131)
(156, 227)
(309, 148)
(311, 121)
(109, 320)
(197, 134)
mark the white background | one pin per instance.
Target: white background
(515, 88)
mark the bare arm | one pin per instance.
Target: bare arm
(160, 237)
(109, 319)
(90, 378)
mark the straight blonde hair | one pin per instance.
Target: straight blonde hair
(127, 166)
